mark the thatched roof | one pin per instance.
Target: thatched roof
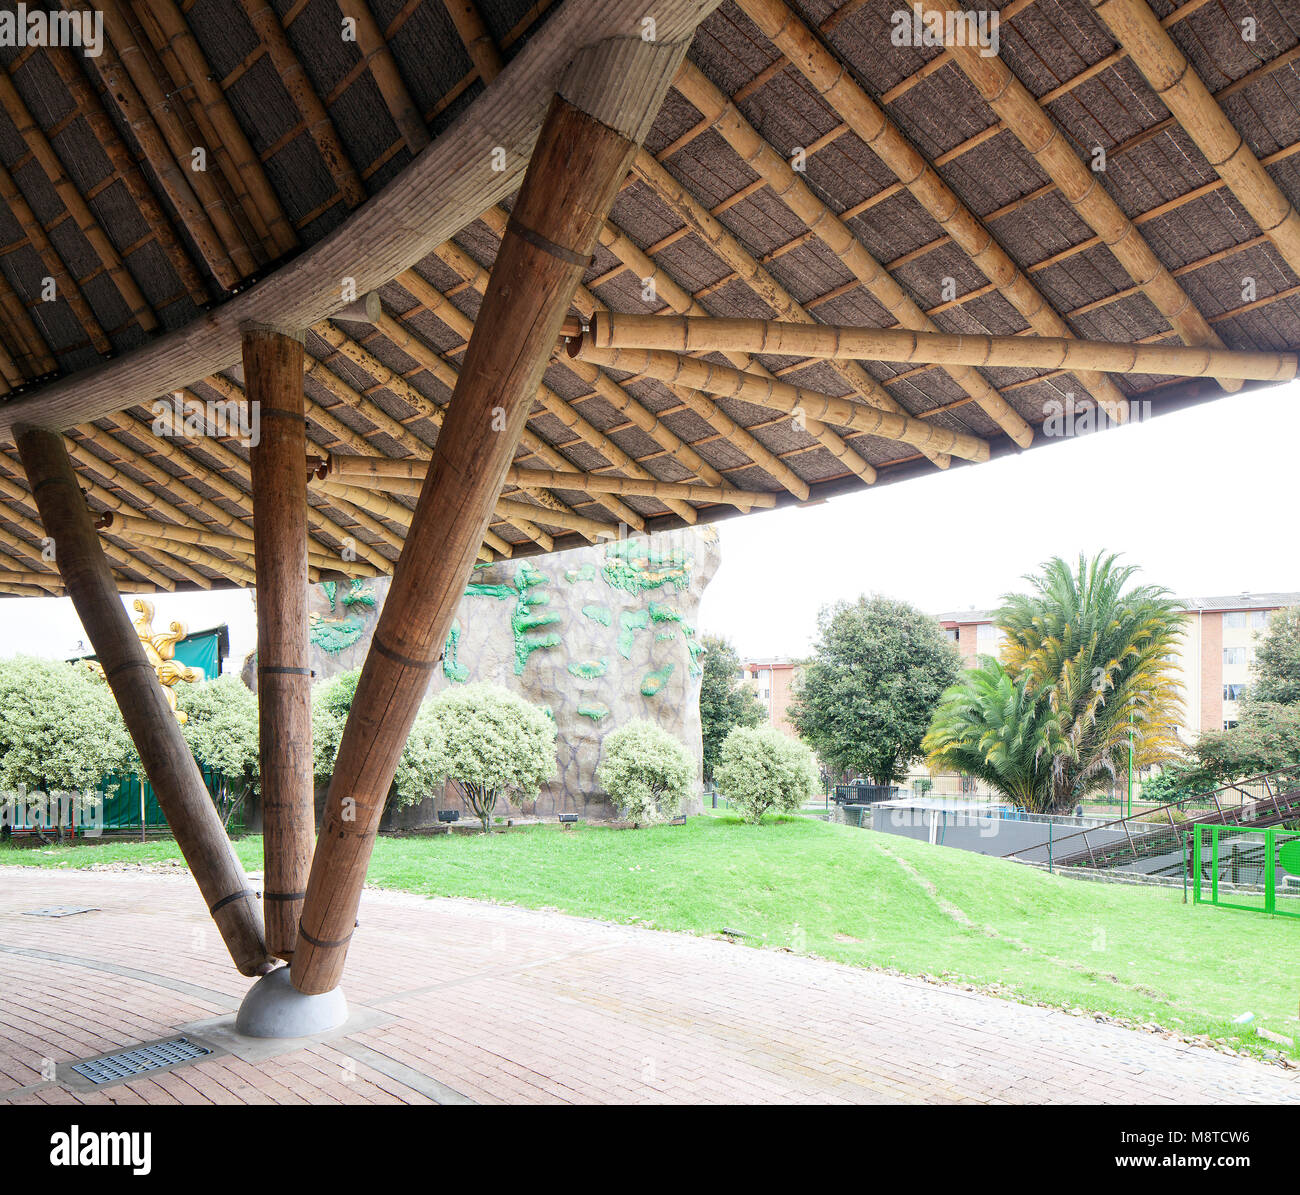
(933, 187)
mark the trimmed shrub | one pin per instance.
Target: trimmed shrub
(760, 769)
(496, 742)
(646, 771)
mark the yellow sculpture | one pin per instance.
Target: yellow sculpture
(160, 651)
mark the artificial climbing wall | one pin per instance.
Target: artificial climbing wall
(598, 636)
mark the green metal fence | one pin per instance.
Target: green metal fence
(130, 803)
(1248, 868)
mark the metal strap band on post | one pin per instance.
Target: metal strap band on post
(383, 649)
(319, 943)
(546, 245)
(234, 896)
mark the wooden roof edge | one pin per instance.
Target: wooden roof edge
(444, 189)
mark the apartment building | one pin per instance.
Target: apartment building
(771, 680)
(1215, 657)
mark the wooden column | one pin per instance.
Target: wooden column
(572, 178)
(273, 371)
(153, 728)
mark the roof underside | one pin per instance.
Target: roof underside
(300, 125)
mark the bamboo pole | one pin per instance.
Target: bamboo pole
(273, 372)
(388, 78)
(75, 204)
(805, 405)
(870, 123)
(787, 184)
(691, 335)
(1034, 127)
(571, 180)
(134, 109)
(1142, 35)
(66, 286)
(239, 162)
(678, 299)
(380, 469)
(135, 90)
(302, 94)
(92, 108)
(231, 569)
(157, 736)
(475, 37)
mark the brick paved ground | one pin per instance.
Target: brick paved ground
(463, 1001)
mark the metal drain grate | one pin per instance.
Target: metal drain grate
(60, 911)
(130, 1063)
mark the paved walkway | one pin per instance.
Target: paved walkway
(455, 1001)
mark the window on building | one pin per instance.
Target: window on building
(1236, 620)
(1234, 692)
(1228, 725)
(1234, 655)
(988, 639)
(953, 634)
(1259, 619)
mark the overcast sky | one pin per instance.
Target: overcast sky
(1205, 501)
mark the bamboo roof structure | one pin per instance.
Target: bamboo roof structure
(871, 254)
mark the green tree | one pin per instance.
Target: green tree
(1103, 655)
(724, 702)
(1277, 660)
(221, 729)
(1266, 738)
(496, 742)
(646, 771)
(992, 727)
(60, 733)
(1086, 663)
(865, 700)
(761, 769)
(420, 768)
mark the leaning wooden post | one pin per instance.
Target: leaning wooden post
(273, 370)
(153, 727)
(575, 171)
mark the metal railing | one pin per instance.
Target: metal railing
(1265, 799)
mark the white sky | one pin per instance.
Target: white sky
(1205, 501)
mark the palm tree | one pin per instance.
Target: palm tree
(996, 729)
(1082, 652)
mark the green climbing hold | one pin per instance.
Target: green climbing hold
(652, 682)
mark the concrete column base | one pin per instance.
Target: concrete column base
(275, 1008)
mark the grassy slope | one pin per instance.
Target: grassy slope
(865, 899)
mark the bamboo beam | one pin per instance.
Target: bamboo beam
(235, 570)
(273, 375)
(473, 33)
(157, 736)
(794, 400)
(220, 127)
(66, 286)
(387, 76)
(731, 251)
(381, 468)
(822, 221)
(90, 106)
(677, 298)
(690, 335)
(1035, 129)
(178, 448)
(602, 385)
(266, 25)
(576, 167)
(868, 121)
(1183, 92)
(123, 560)
(133, 106)
(74, 203)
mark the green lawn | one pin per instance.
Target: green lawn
(866, 899)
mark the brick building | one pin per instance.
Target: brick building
(1215, 658)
